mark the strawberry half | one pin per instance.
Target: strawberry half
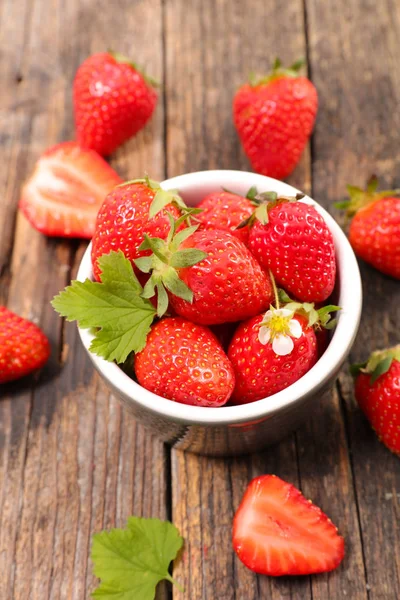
(65, 191)
(277, 531)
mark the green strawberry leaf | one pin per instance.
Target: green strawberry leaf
(343, 204)
(252, 193)
(162, 199)
(131, 562)
(378, 363)
(261, 214)
(114, 307)
(176, 286)
(187, 258)
(357, 368)
(165, 263)
(381, 368)
(162, 300)
(283, 297)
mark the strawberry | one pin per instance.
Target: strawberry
(294, 242)
(375, 228)
(184, 362)
(66, 189)
(377, 391)
(210, 275)
(270, 352)
(23, 346)
(113, 100)
(277, 531)
(274, 117)
(130, 212)
(226, 210)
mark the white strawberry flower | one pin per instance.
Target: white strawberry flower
(279, 327)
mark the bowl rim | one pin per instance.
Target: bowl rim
(350, 299)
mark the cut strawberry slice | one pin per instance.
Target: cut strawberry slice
(276, 531)
(66, 190)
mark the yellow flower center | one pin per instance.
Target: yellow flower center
(278, 325)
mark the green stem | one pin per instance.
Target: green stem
(178, 585)
(275, 289)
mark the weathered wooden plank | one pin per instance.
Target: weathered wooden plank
(357, 135)
(14, 122)
(205, 65)
(72, 461)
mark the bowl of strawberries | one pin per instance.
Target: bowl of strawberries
(217, 306)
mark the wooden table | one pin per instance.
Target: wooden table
(72, 461)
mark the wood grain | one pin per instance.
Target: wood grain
(357, 136)
(72, 462)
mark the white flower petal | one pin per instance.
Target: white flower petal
(283, 312)
(268, 315)
(282, 345)
(264, 335)
(295, 329)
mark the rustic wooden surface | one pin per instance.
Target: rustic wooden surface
(72, 461)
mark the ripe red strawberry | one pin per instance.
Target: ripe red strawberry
(23, 346)
(270, 352)
(228, 284)
(210, 275)
(375, 229)
(377, 390)
(124, 219)
(274, 117)
(66, 189)
(226, 210)
(296, 244)
(184, 362)
(277, 531)
(113, 100)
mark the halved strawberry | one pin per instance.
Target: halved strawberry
(277, 531)
(65, 191)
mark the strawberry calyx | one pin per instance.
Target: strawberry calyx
(122, 59)
(165, 261)
(163, 197)
(317, 318)
(378, 363)
(266, 201)
(359, 198)
(277, 71)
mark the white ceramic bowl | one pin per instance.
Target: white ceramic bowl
(239, 429)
